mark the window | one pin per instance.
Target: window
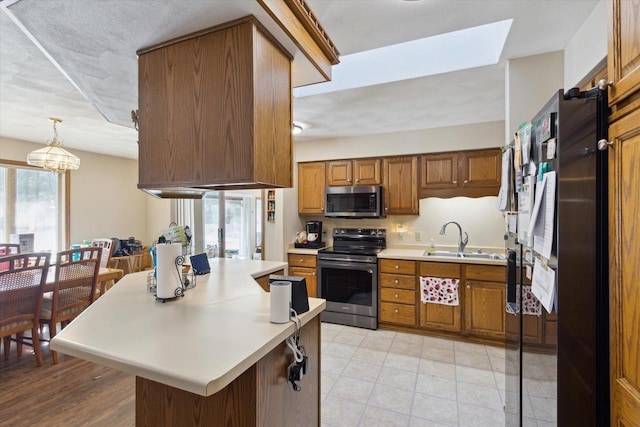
(33, 201)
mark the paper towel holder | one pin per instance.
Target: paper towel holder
(179, 291)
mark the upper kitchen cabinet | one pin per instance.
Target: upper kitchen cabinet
(473, 173)
(353, 172)
(215, 112)
(623, 61)
(400, 184)
(311, 183)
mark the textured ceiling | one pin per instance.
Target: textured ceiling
(94, 43)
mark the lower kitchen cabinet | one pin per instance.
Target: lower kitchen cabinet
(439, 316)
(485, 296)
(397, 281)
(263, 281)
(305, 266)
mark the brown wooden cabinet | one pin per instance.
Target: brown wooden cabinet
(213, 112)
(438, 316)
(400, 184)
(311, 183)
(353, 172)
(263, 281)
(473, 173)
(397, 292)
(623, 60)
(305, 266)
(485, 301)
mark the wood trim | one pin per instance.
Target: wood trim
(623, 86)
(309, 20)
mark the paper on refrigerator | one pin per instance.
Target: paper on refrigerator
(543, 284)
(541, 225)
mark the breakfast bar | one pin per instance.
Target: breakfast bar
(211, 357)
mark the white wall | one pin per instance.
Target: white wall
(587, 50)
(530, 83)
(105, 201)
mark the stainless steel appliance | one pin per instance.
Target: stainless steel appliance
(353, 202)
(575, 376)
(348, 276)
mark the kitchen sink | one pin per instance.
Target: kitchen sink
(469, 255)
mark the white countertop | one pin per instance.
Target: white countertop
(303, 251)
(199, 343)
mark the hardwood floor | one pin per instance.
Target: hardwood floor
(73, 392)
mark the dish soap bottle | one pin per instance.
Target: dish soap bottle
(432, 247)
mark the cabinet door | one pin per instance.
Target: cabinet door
(311, 179)
(310, 275)
(366, 172)
(439, 171)
(484, 309)
(623, 61)
(400, 177)
(440, 317)
(482, 168)
(339, 173)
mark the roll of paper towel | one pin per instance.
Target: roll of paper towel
(168, 279)
(280, 301)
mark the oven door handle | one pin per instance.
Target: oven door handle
(342, 262)
(350, 265)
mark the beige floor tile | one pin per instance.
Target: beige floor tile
(478, 395)
(382, 333)
(352, 389)
(544, 409)
(391, 398)
(435, 409)
(439, 369)
(362, 370)
(408, 338)
(474, 360)
(336, 411)
(408, 363)
(406, 348)
(333, 364)
(421, 422)
(378, 417)
(439, 354)
(475, 416)
(436, 386)
(340, 350)
(327, 380)
(370, 355)
(399, 378)
(497, 364)
(381, 343)
(475, 376)
(497, 352)
(438, 343)
(469, 347)
(347, 337)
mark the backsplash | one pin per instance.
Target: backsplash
(477, 216)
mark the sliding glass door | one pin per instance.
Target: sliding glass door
(231, 223)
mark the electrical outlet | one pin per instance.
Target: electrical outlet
(418, 236)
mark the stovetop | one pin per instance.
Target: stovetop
(357, 241)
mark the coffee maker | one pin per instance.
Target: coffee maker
(312, 228)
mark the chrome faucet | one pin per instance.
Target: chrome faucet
(461, 242)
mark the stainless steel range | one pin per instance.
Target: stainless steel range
(348, 276)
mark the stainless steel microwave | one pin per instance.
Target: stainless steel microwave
(353, 202)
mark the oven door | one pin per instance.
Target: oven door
(349, 287)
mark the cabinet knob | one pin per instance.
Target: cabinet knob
(468, 286)
(386, 209)
(349, 180)
(397, 267)
(357, 179)
(603, 84)
(397, 296)
(313, 274)
(466, 181)
(396, 311)
(603, 144)
(397, 281)
(455, 182)
(301, 259)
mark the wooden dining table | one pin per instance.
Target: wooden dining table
(105, 275)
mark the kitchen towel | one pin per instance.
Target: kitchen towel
(439, 290)
(280, 301)
(168, 277)
(532, 306)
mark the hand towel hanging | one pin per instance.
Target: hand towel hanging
(439, 290)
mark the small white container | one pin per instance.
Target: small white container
(280, 301)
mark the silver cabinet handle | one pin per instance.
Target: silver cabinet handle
(603, 144)
(603, 84)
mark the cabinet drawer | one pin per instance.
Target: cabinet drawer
(398, 296)
(397, 266)
(490, 273)
(440, 269)
(398, 313)
(397, 281)
(298, 260)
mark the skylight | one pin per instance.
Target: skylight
(458, 50)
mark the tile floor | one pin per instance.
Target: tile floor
(386, 378)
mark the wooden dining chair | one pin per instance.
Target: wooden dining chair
(76, 279)
(8, 249)
(105, 259)
(21, 286)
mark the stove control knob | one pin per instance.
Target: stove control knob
(380, 233)
(373, 232)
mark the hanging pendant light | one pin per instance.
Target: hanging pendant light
(54, 157)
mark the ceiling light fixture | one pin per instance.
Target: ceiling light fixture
(296, 129)
(54, 157)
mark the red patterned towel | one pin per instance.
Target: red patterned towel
(438, 290)
(531, 304)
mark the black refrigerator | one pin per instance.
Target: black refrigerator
(563, 379)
